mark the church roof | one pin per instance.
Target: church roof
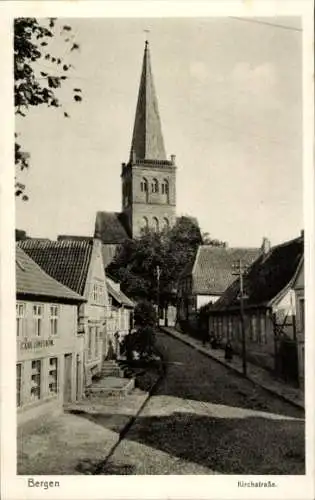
(67, 261)
(147, 141)
(110, 227)
(32, 281)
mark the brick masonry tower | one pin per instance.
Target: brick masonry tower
(148, 179)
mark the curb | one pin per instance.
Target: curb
(235, 370)
(127, 426)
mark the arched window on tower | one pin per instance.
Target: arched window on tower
(166, 224)
(155, 186)
(155, 223)
(145, 224)
(144, 187)
(165, 190)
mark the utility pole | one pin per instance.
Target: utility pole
(158, 274)
(240, 270)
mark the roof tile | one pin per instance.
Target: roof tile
(213, 268)
(67, 261)
(32, 280)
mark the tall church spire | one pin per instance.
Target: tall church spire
(147, 140)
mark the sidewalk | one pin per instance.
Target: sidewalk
(255, 373)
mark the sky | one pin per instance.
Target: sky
(230, 100)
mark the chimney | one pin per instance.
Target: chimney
(302, 233)
(266, 245)
(173, 158)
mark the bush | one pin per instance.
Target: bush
(145, 314)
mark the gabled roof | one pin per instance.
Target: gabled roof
(110, 227)
(213, 267)
(114, 291)
(66, 261)
(108, 253)
(32, 281)
(147, 140)
(268, 277)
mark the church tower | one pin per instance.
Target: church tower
(148, 179)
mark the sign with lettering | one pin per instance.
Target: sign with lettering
(36, 344)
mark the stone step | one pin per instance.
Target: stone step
(113, 387)
(115, 372)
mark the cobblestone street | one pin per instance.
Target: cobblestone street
(205, 419)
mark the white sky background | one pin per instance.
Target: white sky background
(230, 100)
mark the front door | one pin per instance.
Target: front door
(67, 392)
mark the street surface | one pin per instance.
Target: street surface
(205, 419)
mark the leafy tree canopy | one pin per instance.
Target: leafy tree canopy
(39, 73)
(136, 261)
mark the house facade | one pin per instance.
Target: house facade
(204, 280)
(120, 320)
(298, 287)
(78, 264)
(269, 310)
(50, 351)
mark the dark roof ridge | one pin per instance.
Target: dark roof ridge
(289, 242)
(60, 243)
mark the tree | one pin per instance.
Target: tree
(145, 314)
(135, 264)
(207, 240)
(35, 85)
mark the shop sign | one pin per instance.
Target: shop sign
(36, 344)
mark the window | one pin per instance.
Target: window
(38, 319)
(53, 320)
(20, 319)
(97, 293)
(164, 186)
(144, 185)
(155, 186)
(18, 383)
(53, 375)
(230, 328)
(253, 330)
(155, 224)
(262, 333)
(166, 224)
(36, 379)
(145, 223)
